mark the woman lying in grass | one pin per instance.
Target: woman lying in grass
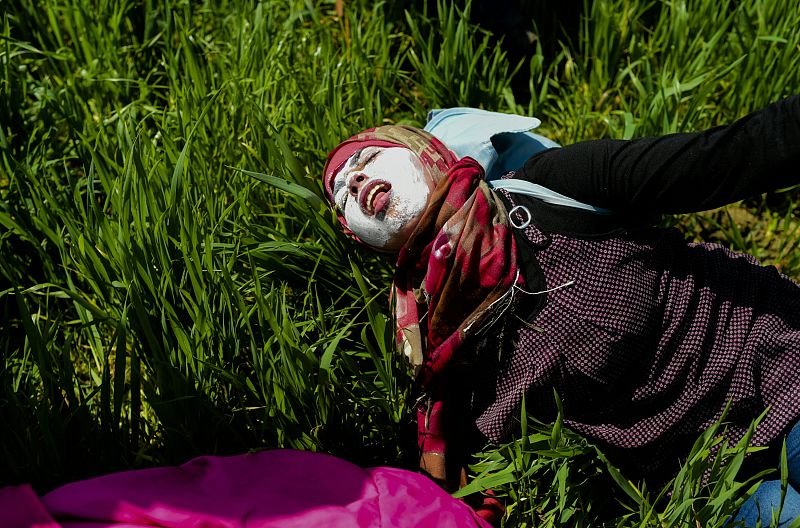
(505, 289)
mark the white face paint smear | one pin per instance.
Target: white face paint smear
(382, 193)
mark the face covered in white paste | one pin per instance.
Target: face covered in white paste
(382, 192)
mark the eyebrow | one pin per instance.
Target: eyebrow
(362, 165)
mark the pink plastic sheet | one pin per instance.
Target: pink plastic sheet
(268, 489)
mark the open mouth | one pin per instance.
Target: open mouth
(374, 197)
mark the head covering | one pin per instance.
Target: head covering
(432, 153)
(435, 157)
(452, 274)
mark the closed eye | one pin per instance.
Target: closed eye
(369, 158)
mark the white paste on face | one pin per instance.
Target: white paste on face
(382, 193)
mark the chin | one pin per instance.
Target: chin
(385, 245)
(391, 244)
(387, 235)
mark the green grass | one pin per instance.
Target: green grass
(172, 285)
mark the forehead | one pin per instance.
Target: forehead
(371, 157)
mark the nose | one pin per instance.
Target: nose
(356, 181)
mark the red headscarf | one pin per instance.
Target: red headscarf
(454, 271)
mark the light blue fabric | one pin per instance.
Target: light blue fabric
(544, 194)
(793, 455)
(500, 143)
(760, 505)
(765, 502)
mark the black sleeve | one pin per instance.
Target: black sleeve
(679, 173)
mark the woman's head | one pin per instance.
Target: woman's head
(380, 180)
(381, 193)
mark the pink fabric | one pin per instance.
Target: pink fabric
(261, 490)
(463, 255)
(21, 508)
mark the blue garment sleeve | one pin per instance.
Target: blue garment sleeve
(498, 142)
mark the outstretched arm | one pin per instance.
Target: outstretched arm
(679, 173)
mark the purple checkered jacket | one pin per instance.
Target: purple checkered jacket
(650, 341)
(647, 338)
